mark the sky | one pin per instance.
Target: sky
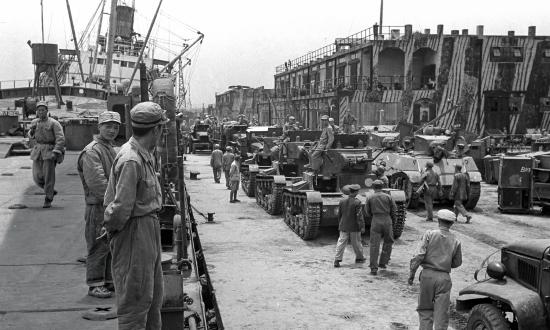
(245, 40)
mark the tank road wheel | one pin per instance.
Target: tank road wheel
(486, 317)
(287, 215)
(258, 192)
(308, 226)
(400, 217)
(475, 192)
(275, 200)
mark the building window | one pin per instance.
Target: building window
(546, 53)
(116, 61)
(496, 51)
(100, 61)
(123, 64)
(131, 64)
(517, 52)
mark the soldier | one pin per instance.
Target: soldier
(460, 192)
(349, 123)
(380, 175)
(439, 251)
(184, 135)
(48, 151)
(227, 160)
(94, 167)
(132, 202)
(431, 186)
(438, 152)
(461, 150)
(216, 162)
(325, 143)
(234, 178)
(381, 208)
(407, 145)
(290, 125)
(335, 128)
(242, 120)
(351, 225)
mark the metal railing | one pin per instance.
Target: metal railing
(356, 39)
(21, 83)
(395, 82)
(325, 86)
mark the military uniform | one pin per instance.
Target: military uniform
(234, 179)
(216, 162)
(350, 225)
(46, 153)
(325, 142)
(132, 202)
(381, 208)
(460, 193)
(227, 159)
(94, 167)
(438, 252)
(431, 189)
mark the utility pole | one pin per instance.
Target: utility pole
(110, 46)
(75, 42)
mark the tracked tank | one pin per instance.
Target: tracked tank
(404, 170)
(289, 157)
(312, 202)
(259, 141)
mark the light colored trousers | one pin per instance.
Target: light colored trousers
(43, 173)
(434, 300)
(355, 238)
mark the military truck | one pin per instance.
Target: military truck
(517, 293)
(200, 138)
(234, 135)
(312, 202)
(288, 160)
(404, 170)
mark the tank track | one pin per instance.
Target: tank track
(302, 217)
(475, 192)
(248, 183)
(269, 195)
(400, 217)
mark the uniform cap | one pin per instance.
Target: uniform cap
(217, 146)
(324, 117)
(148, 114)
(377, 184)
(42, 104)
(461, 145)
(380, 169)
(109, 116)
(345, 189)
(429, 164)
(331, 120)
(228, 148)
(446, 215)
(354, 187)
(291, 118)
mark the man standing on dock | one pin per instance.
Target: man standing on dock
(234, 178)
(48, 151)
(132, 202)
(431, 186)
(350, 224)
(94, 167)
(216, 162)
(439, 251)
(460, 192)
(227, 160)
(381, 208)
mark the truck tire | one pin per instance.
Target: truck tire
(486, 316)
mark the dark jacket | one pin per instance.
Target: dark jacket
(350, 215)
(460, 189)
(380, 206)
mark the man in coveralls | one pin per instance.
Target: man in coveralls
(431, 185)
(48, 151)
(227, 160)
(325, 143)
(350, 224)
(94, 167)
(132, 201)
(438, 252)
(381, 208)
(216, 160)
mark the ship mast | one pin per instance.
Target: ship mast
(75, 42)
(110, 46)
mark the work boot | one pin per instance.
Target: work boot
(382, 266)
(336, 263)
(373, 272)
(468, 219)
(110, 287)
(47, 203)
(429, 220)
(99, 292)
(360, 261)
(232, 201)
(236, 201)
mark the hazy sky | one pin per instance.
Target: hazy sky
(245, 40)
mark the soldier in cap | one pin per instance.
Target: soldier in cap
(234, 179)
(132, 202)
(335, 128)
(47, 152)
(380, 175)
(438, 252)
(94, 167)
(216, 162)
(290, 125)
(407, 145)
(461, 150)
(349, 123)
(227, 159)
(351, 225)
(325, 143)
(381, 208)
(430, 185)
(460, 192)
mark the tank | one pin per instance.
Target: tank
(259, 141)
(288, 160)
(404, 170)
(312, 202)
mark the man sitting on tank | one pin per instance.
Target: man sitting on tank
(324, 143)
(438, 152)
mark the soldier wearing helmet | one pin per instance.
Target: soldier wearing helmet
(438, 252)
(216, 162)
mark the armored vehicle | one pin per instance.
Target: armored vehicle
(200, 138)
(312, 202)
(517, 293)
(404, 170)
(234, 135)
(288, 160)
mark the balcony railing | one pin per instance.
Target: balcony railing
(325, 86)
(356, 39)
(395, 82)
